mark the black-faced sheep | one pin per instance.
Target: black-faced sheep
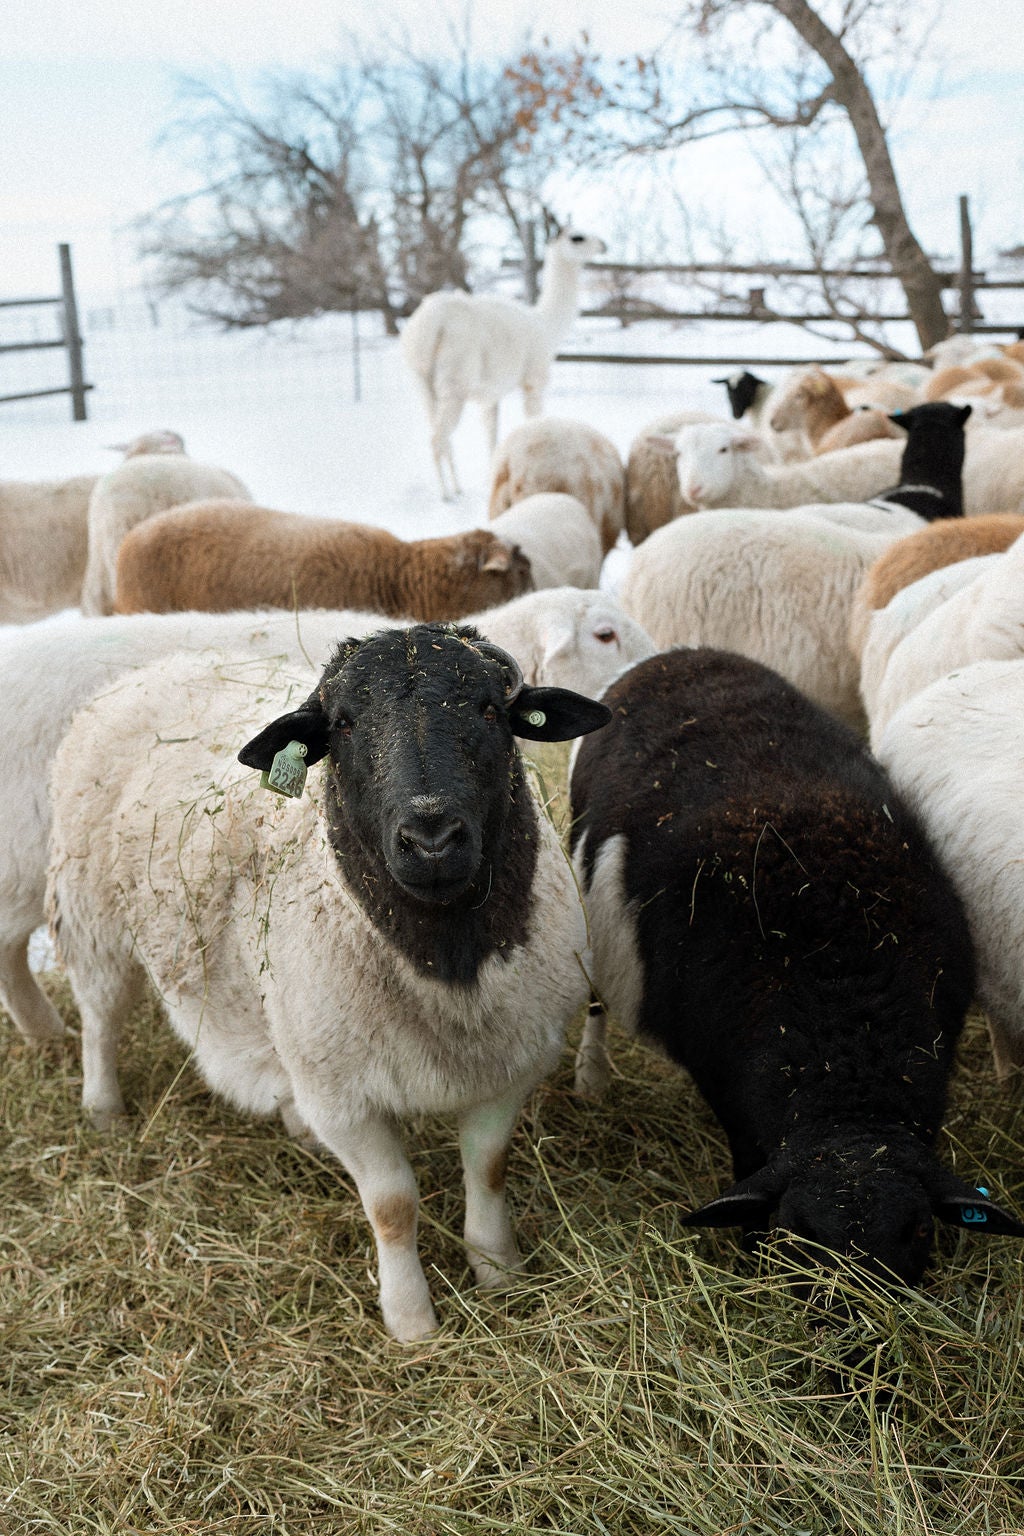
(561, 637)
(219, 555)
(764, 908)
(404, 940)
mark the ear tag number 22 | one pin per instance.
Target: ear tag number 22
(287, 773)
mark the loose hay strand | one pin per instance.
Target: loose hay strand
(193, 1342)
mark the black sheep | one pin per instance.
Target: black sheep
(764, 908)
(931, 470)
(744, 390)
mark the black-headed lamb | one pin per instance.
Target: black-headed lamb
(404, 940)
(764, 908)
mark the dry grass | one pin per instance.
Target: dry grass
(192, 1341)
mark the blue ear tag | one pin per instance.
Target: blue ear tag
(982, 1190)
(970, 1216)
(287, 773)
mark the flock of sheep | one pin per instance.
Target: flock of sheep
(801, 924)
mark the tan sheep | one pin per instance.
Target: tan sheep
(814, 405)
(44, 537)
(43, 544)
(551, 453)
(221, 555)
(157, 474)
(653, 496)
(942, 543)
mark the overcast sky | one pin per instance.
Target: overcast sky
(87, 85)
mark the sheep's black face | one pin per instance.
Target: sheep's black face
(433, 827)
(422, 757)
(880, 1217)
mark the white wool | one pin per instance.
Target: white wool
(955, 753)
(146, 483)
(553, 453)
(232, 902)
(982, 621)
(774, 586)
(719, 466)
(464, 346)
(561, 637)
(558, 535)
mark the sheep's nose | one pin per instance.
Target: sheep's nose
(431, 838)
(695, 492)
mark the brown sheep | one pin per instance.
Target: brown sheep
(815, 405)
(220, 555)
(653, 496)
(552, 454)
(942, 543)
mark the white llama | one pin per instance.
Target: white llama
(467, 346)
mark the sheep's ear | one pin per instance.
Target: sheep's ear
(965, 411)
(746, 1204)
(661, 444)
(962, 1205)
(747, 442)
(555, 714)
(308, 725)
(499, 557)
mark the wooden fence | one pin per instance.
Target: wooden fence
(70, 340)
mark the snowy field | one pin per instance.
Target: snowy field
(279, 408)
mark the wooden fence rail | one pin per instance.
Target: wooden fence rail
(70, 340)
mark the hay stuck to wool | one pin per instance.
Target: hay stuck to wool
(193, 1342)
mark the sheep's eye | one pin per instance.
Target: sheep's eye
(723, 450)
(606, 634)
(344, 727)
(490, 713)
(577, 239)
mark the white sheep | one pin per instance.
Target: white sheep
(561, 637)
(558, 536)
(720, 466)
(953, 751)
(945, 541)
(468, 346)
(552, 453)
(154, 477)
(982, 620)
(776, 587)
(404, 940)
(44, 537)
(886, 628)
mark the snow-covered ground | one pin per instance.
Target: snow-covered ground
(279, 407)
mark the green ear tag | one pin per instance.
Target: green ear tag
(287, 773)
(536, 717)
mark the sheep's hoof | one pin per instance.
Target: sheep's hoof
(592, 1074)
(409, 1327)
(104, 1117)
(499, 1273)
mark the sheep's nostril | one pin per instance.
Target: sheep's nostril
(430, 841)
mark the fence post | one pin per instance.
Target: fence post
(72, 335)
(968, 309)
(530, 254)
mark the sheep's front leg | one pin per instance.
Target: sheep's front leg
(593, 1072)
(485, 1134)
(373, 1154)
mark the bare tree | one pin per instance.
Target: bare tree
(763, 66)
(281, 225)
(359, 189)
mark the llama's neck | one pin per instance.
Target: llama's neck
(558, 303)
